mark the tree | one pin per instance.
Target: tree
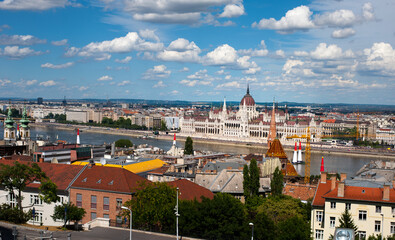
(346, 221)
(295, 228)
(265, 229)
(163, 126)
(16, 177)
(277, 183)
(246, 182)
(153, 206)
(188, 149)
(254, 178)
(123, 143)
(68, 212)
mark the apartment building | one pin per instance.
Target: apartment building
(370, 203)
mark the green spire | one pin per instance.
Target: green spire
(24, 121)
(9, 122)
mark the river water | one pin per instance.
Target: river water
(341, 163)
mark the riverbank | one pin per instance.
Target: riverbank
(169, 137)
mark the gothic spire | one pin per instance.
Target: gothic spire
(248, 88)
(272, 132)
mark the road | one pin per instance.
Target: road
(97, 233)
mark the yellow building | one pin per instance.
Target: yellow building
(138, 167)
(371, 205)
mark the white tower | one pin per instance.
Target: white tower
(78, 136)
(24, 128)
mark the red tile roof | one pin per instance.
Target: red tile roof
(60, 174)
(322, 189)
(108, 179)
(362, 194)
(299, 191)
(190, 190)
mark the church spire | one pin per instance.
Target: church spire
(248, 88)
(272, 132)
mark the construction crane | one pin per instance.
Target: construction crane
(307, 154)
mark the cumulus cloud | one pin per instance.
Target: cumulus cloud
(180, 50)
(253, 52)
(32, 4)
(156, 72)
(83, 88)
(343, 33)
(160, 84)
(380, 58)
(184, 69)
(105, 78)
(31, 82)
(368, 11)
(174, 92)
(20, 40)
(295, 19)
(125, 60)
(48, 83)
(301, 53)
(15, 52)
(59, 66)
(330, 52)
(222, 55)
(4, 82)
(228, 85)
(339, 18)
(232, 10)
(60, 42)
(123, 83)
(149, 34)
(280, 53)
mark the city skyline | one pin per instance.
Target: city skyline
(306, 51)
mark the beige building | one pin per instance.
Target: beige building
(370, 203)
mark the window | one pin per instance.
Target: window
(377, 226)
(93, 215)
(319, 234)
(332, 222)
(38, 217)
(319, 216)
(333, 204)
(106, 203)
(12, 200)
(361, 235)
(393, 210)
(119, 203)
(79, 200)
(348, 206)
(392, 230)
(362, 215)
(378, 209)
(35, 199)
(93, 201)
(106, 216)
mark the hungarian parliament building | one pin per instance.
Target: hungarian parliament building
(248, 124)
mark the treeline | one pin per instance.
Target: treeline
(223, 217)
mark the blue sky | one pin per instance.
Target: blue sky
(323, 51)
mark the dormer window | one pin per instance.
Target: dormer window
(84, 180)
(111, 183)
(99, 181)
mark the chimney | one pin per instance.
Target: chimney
(323, 177)
(333, 182)
(343, 177)
(340, 189)
(386, 193)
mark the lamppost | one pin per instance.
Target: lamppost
(252, 230)
(382, 225)
(177, 215)
(130, 234)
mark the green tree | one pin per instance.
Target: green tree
(277, 183)
(264, 227)
(346, 221)
(153, 206)
(163, 126)
(254, 178)
(188, 149)
(246, 182)
(68, 212)
(295, 228)
(16, 177)
(123, 143)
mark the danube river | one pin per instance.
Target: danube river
(344, 163)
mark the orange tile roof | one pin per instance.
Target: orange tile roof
(190, 190)
(322, 189)
(330, 120)
(299, 191)
(276, 150)
(362, 194)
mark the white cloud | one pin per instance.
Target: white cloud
(339, 18)
(4, 82)
(60, 42)
(48, 83)
(83, 88)
(368, 11)
(131, 42)
(105, 78)
(182, 18)
(160, 84)
(252, 70)
(20, 40)
(221, 72)
(343, 33)
(102, 57)
(174, 92)
(149, 34)
(123, 83)
(201, 74)
(301, 53)
(295, 19)
(180, 50)
(253, 52)
(15, 52)
(156, 72)
(59, 66)
(232, 10)
(291, 63)
(184, 69)
(125, 60)
(280, 53)
(330, 52)
(380, 58)
(31, 82)
(189, 83)
(71, 52)
(32, 4)
(222, 55)
(4, 26)
(233, 84)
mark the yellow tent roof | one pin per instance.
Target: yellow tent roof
(135, 167)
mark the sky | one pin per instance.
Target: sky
(318, 51)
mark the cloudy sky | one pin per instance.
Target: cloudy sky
(323, 51)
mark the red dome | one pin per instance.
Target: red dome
(247, 100)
